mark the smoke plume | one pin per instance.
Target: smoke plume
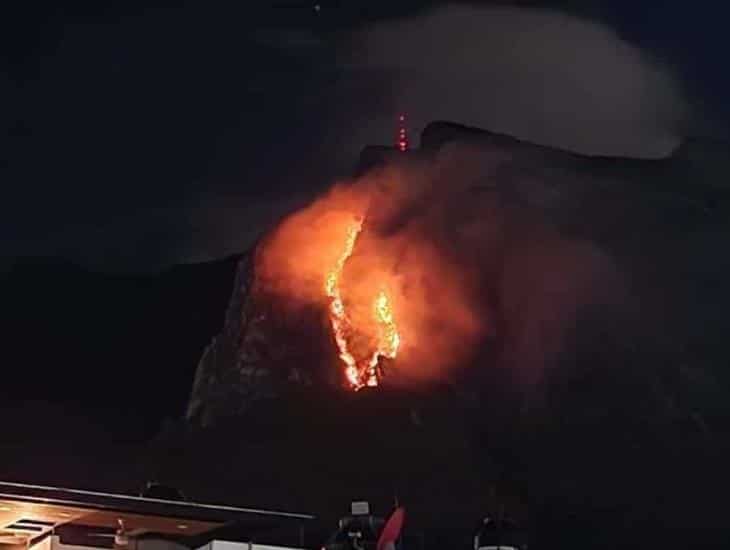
(539, 75)
(466, 262)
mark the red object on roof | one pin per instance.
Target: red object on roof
(391, 530)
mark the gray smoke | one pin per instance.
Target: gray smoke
(542, 76)
(498, 217)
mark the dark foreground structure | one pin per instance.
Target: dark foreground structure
(34, 516)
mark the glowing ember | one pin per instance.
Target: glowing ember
(364, 372)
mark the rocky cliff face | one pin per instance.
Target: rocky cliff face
(224, 374)
(254, 355)
(263, 348)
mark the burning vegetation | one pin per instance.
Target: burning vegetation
(363, 372)
(390, 301)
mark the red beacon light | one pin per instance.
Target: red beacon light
(402, 141)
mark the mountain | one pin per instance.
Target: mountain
(120, 347)
(621, 440)
(630, 388)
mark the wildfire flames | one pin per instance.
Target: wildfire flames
(383, 295)
(395, 276)
(364, 372)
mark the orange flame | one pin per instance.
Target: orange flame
(364, 373)
(338, 317)
(382, 293)
(388, 340)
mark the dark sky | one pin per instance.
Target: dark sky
(143, 134)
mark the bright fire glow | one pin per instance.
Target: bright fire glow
(364, 372)
(380, 292)
(338, 317)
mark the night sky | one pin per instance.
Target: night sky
(142, 135)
